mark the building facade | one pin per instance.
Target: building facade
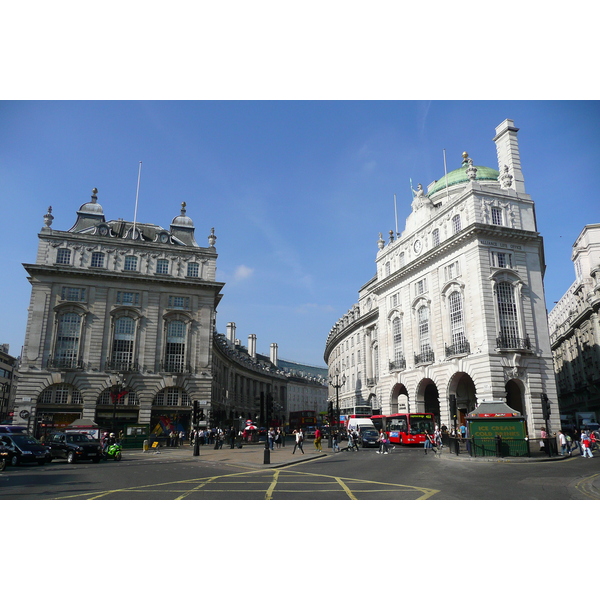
(575, 334)
(456, 310)
(7, 383)
(120, 325)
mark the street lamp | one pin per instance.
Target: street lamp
(116, 394)
(337, 385)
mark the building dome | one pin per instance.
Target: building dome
(92, 208)
(182, 220)
(460, 176)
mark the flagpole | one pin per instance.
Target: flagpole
(396, 214)
(446, 175)
(137, 193)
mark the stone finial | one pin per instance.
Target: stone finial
(505, 178)
(471, 169)
(381, 241)
(183, 209)
(48, 218)
(94, 195)
(212, 238)
(391, 232)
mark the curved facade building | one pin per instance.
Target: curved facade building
(456, 309)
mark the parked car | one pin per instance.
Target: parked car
(6, 455)
(24, 448)
(74, 447)
(369, 438)
(13, 429)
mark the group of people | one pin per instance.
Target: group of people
(584, 441)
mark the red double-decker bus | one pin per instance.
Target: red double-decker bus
(405, 428)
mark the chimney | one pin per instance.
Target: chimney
(507, 149)
(274, 354)
(252, 345)
(231, 333)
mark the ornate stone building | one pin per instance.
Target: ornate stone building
(118, 308)
(456, 308)
(575, 334)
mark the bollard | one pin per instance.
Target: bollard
(145, 446)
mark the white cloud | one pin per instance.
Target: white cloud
(242, 272)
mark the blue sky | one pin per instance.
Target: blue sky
(297, 191)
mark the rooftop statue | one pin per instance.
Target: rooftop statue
(420, 198)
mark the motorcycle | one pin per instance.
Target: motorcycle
(113, 452)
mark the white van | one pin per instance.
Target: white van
(360, 423)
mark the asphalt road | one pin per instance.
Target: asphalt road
(407, 474)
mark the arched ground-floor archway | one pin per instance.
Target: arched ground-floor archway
(428, 398)
(399, 399)
(462, 387)
(515, 393)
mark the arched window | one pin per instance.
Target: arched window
(66, 350)
(456, 225)
(507, 315)
(175, 347)
(123, 343)
(457, 320)
(172, 396)
(60, 393)
(423, 328)
(397, 334)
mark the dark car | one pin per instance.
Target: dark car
(6, 455)
(24, 449)
(369, 438)
(74, 447)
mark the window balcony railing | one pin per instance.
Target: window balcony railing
(64, 363)
(122, 366)
(425, 357)
(371, 382)
(511, 342)
(173, 366)
(462, 347)
(398, 365)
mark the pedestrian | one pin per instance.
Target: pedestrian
(562, 440)
(231, 433)
(318, 440)
(586, 443)
(428, 441)
(593, 440)
(355, 439)
(335, 441)
(383, 443)
(278, 438)
(299, 440)
(543, 435)
(271, 438)
(463, 431)
(569, 444)
(437, 438)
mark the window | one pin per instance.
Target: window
(456, 226)
(179, 302)
(66, 351)
(175, 348)
(387, 269)
(193, 269)
(507, 314)
(496, 215)
(435, 238)
(395, 299)
(420, 287)
(123, 338)
(128, 298)
(63, 256)
(174, 397)
(130, 263)
(397, 335)
(457, 322)
(423, 328)
(502, 260)
(402, 260)
(162, 266)
(73, 294)
(98, 259)
(61, 393)
(451, 271)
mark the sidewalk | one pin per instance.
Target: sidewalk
(250, 455)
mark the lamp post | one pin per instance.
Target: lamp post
(337, 385)
(118, 392)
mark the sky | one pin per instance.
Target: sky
(297, 191)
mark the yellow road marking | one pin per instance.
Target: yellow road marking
(580, 487)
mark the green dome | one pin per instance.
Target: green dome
(460, 176)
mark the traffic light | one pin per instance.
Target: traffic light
(546, 409)
(330, 412)
(452, 406)
(195, 413)
(201, 415)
